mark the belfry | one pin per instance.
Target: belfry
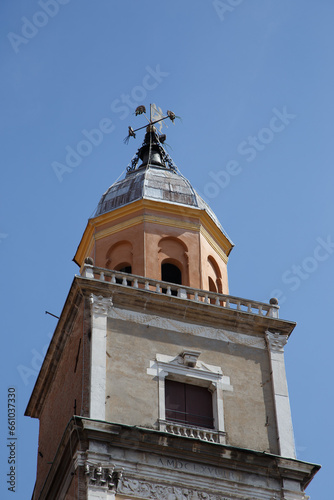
(157, 383)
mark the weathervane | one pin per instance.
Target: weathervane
(153, 141)
(154, 114)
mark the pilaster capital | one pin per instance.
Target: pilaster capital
(102, 476)
(276, 341)
(101, 305)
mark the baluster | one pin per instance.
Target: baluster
(249, 309)
(191, 432)
(102, 276)
(113, 278)
(147, 285)
(157, 288)
(135, 283)
(196, 296)
(169, 292)
(217, 303)
(227, 303)
(260, 310)
(124, 282)
(238, 305)
(206, 298)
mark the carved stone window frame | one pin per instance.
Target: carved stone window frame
(200, 374)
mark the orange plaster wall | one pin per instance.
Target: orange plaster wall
(206, 251)
(180, 248)
(135, 236)
(142, 251)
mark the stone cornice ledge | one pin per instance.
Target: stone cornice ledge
(128, 297)
(153, 441)
(81, 431)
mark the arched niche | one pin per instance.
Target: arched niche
(173, 251)
(120, 256)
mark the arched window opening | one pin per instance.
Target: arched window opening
(214, 276)
(171, 274)
(123, 268)
(174, 251)
(212, 288)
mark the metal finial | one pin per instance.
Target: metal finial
(151, 151)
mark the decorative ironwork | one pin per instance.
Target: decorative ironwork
(153, 140)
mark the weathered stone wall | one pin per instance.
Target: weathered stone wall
(132, 394)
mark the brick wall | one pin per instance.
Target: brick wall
(69, 388)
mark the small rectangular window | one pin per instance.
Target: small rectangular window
(189, 404)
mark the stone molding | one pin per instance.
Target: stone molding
(156, 491)
(228, 336)
(101, 305)
(276, 341)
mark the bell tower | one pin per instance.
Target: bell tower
(157, 383)
(154, 224)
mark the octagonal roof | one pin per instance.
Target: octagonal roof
(154, 182)
(157, 179)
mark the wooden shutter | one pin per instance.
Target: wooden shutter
(189, 404)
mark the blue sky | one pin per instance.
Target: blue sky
(253, 83)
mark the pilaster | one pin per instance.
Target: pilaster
(286, 442)
(100, 308)
(100, 485)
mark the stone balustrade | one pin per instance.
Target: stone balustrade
(181, 291)
(192, 432)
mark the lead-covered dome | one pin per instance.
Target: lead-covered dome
(155, 179)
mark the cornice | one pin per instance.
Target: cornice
(136, 299)
(164, 448)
